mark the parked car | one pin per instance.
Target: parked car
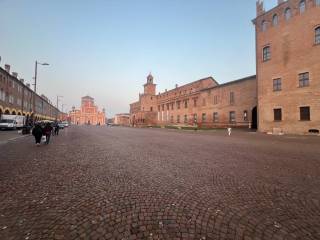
(61, 125)
(18, 120)
(65, 123)
(9, 124)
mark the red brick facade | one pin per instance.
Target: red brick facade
(17, 98)
(88, 113)
(122, 119)
(203, 103)
(288, 66)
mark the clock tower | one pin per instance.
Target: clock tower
(150, 87)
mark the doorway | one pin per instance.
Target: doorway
(254, 120)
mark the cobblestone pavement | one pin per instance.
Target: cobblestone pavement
(7, 135)
(125, 183)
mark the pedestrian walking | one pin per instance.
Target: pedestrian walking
(37, 133)
(47, 130)
(56, 129)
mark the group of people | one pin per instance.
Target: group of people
(45, 130)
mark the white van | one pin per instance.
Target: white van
(12, 121)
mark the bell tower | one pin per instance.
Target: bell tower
(150, 87)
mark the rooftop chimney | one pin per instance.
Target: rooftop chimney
(7, 67)
(28, 85)
(176, 85)
(22, 80)
(280, 1)
(15, 74)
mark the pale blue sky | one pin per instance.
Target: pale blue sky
(106, 48)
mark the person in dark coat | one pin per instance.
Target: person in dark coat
(47, 130)
(37, 133)
(56, 129)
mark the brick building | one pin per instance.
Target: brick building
(204, 103)
(288, 66)
(122, 119)
(88, 113)
(17, 98)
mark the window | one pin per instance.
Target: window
(151, 109)
(168, 107)
(304, 113)
(232, 116)
(195, 102)
(277, 114)
(302, 6)
(2, 95)
(215, 100)
(277, 84)
(245, 115)
(204, 117)
(275, 20)
(185, 118)
(215, 117)
(266, 53)
(178, 104)
(158, 108)
(287, 14)
(178, 119)
(172, 106)
(304, 79)
(171, 119)
(195, 118)
(317, 35)
(231, 98)
(11, 99)
(264, 26)
(162, 107)
(186, 104)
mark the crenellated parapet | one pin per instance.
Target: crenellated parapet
(282, 13)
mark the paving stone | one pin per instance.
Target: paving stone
(124, 183)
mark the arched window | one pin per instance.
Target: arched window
(275, 20)
(264, 26)
(287, 13)
(302, 6)
(317, 35)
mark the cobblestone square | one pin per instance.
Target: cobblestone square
(127, 183)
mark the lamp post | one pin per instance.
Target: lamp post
(36, 73)
(63, 113)
(35, 85)
(58, 98)
(63, 107)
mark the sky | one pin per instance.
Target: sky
(106, 48)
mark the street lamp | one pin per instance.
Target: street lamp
(35, 85)
(58, 98)
(36, 72)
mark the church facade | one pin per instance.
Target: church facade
(88, 114)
